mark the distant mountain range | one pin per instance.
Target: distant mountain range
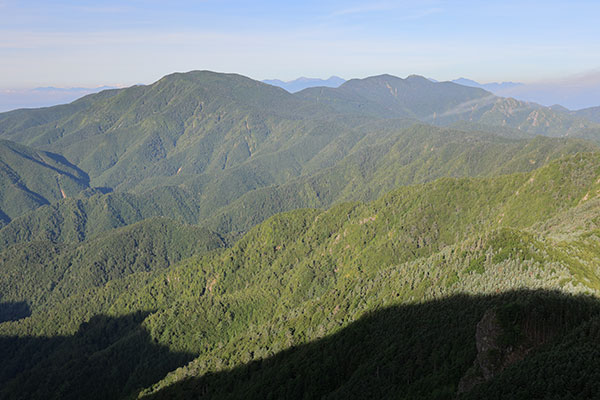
(302, 83)
(571, 96)
(493, 87)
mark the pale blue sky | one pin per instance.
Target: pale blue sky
(87, 43)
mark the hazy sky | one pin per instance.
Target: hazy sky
(87, 43)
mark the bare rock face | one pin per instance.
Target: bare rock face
(501, 344)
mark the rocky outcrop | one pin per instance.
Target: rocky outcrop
(503, 341)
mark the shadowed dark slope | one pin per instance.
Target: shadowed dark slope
(14, 311)
(107, 358)
(417, 351)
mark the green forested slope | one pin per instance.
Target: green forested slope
(31, 178)
(228, 151)
(381, 161)
(318, 285)
(43, 272)
(420, 154)
(77, 219)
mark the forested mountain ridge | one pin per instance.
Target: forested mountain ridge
(185, 123)
(307, 275)
(444, 103)
(390, 96)
(199, 124)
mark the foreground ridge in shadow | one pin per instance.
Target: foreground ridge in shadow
(547, 346)
(107, 358)
(423, 351)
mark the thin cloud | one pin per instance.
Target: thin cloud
(367, 9)
(426, 8)
(105, 10)
(591, 77)
(422, 14)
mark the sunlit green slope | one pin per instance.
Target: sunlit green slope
(326, 278)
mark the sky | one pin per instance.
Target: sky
(91, 43)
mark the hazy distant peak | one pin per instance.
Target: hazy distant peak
(303, 82)
(73, 89)
(332, 78)
(492, 86)
(415, 77)
(467, 82)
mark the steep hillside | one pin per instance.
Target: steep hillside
(30, 178)
(78, 219)
(410, 261)
(366, 298)
(524, 116)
